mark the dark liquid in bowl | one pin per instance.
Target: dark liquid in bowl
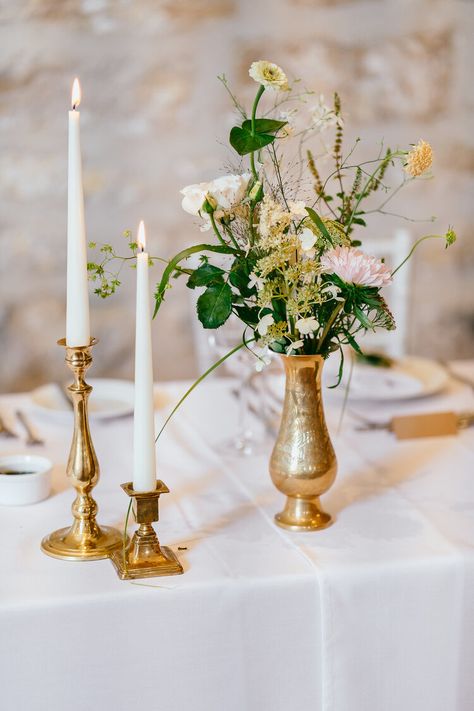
(12, 472)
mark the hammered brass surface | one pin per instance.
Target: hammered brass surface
(84, 540)
(303, 463)
(144, 557)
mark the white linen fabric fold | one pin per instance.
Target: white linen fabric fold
(373, 613)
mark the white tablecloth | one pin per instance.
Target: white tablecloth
(372, 614)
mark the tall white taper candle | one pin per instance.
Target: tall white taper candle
(144, 458)
(77, 308)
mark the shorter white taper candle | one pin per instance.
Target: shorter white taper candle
(144, 457)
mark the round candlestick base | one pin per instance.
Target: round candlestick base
(65, 545)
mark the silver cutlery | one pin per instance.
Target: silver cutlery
(6, 430)
(463, 379)
(31, 437)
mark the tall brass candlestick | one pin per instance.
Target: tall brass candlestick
(85, 539)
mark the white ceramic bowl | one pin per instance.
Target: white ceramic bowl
(24, 479)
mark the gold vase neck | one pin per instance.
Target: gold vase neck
(303, 366)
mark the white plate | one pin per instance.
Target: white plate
(408, 378)
(109, 398)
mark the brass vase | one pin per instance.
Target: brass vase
(303, 464)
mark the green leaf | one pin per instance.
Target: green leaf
(243, 142)
(248, 315)
(215, 305)
(205, 275)
(363, 319)
(173, 263)
(264, 125)
(240, 275)
(359, 221)
(319, 224)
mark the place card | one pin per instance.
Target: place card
(433, 424)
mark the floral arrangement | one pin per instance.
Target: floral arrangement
(294, 275)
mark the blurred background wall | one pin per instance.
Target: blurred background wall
(154, 118)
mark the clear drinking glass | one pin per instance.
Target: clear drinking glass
(241, 365)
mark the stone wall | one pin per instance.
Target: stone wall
(154, 118)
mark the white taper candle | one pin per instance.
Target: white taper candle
(77, 308)
(144, 458)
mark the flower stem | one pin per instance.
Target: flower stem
(199, 380)
(216, 230)
(368, 183)
(260, 91)
(328, 325)
(418, 241)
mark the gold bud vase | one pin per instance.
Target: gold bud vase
(303, 464)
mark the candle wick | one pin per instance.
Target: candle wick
(74, 107)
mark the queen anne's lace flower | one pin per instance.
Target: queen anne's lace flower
(353, 266)
(269, 74)
(419, 159)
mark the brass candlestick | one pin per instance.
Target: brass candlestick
(144, 557)
(84, 540)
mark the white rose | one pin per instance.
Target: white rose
(229, 190)
(194, 197)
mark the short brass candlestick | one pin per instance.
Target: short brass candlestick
(84, 540)
(144, 557)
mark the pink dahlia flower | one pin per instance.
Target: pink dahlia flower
(353, 266)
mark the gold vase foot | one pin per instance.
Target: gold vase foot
(303, 515)
(66, 545)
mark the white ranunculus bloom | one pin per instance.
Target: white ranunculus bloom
(270, 75)
(194, 197)
(229, 190)
(307, 325)
(307, 239)
(264, 324)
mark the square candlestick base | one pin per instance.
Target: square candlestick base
(144, 557)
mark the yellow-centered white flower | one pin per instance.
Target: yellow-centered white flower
(264, 324)
(270, 75)
(306, 326)
(294, 347)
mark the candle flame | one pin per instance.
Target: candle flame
(141, 237)
(75, 94)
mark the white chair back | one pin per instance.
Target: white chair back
(393, 250)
